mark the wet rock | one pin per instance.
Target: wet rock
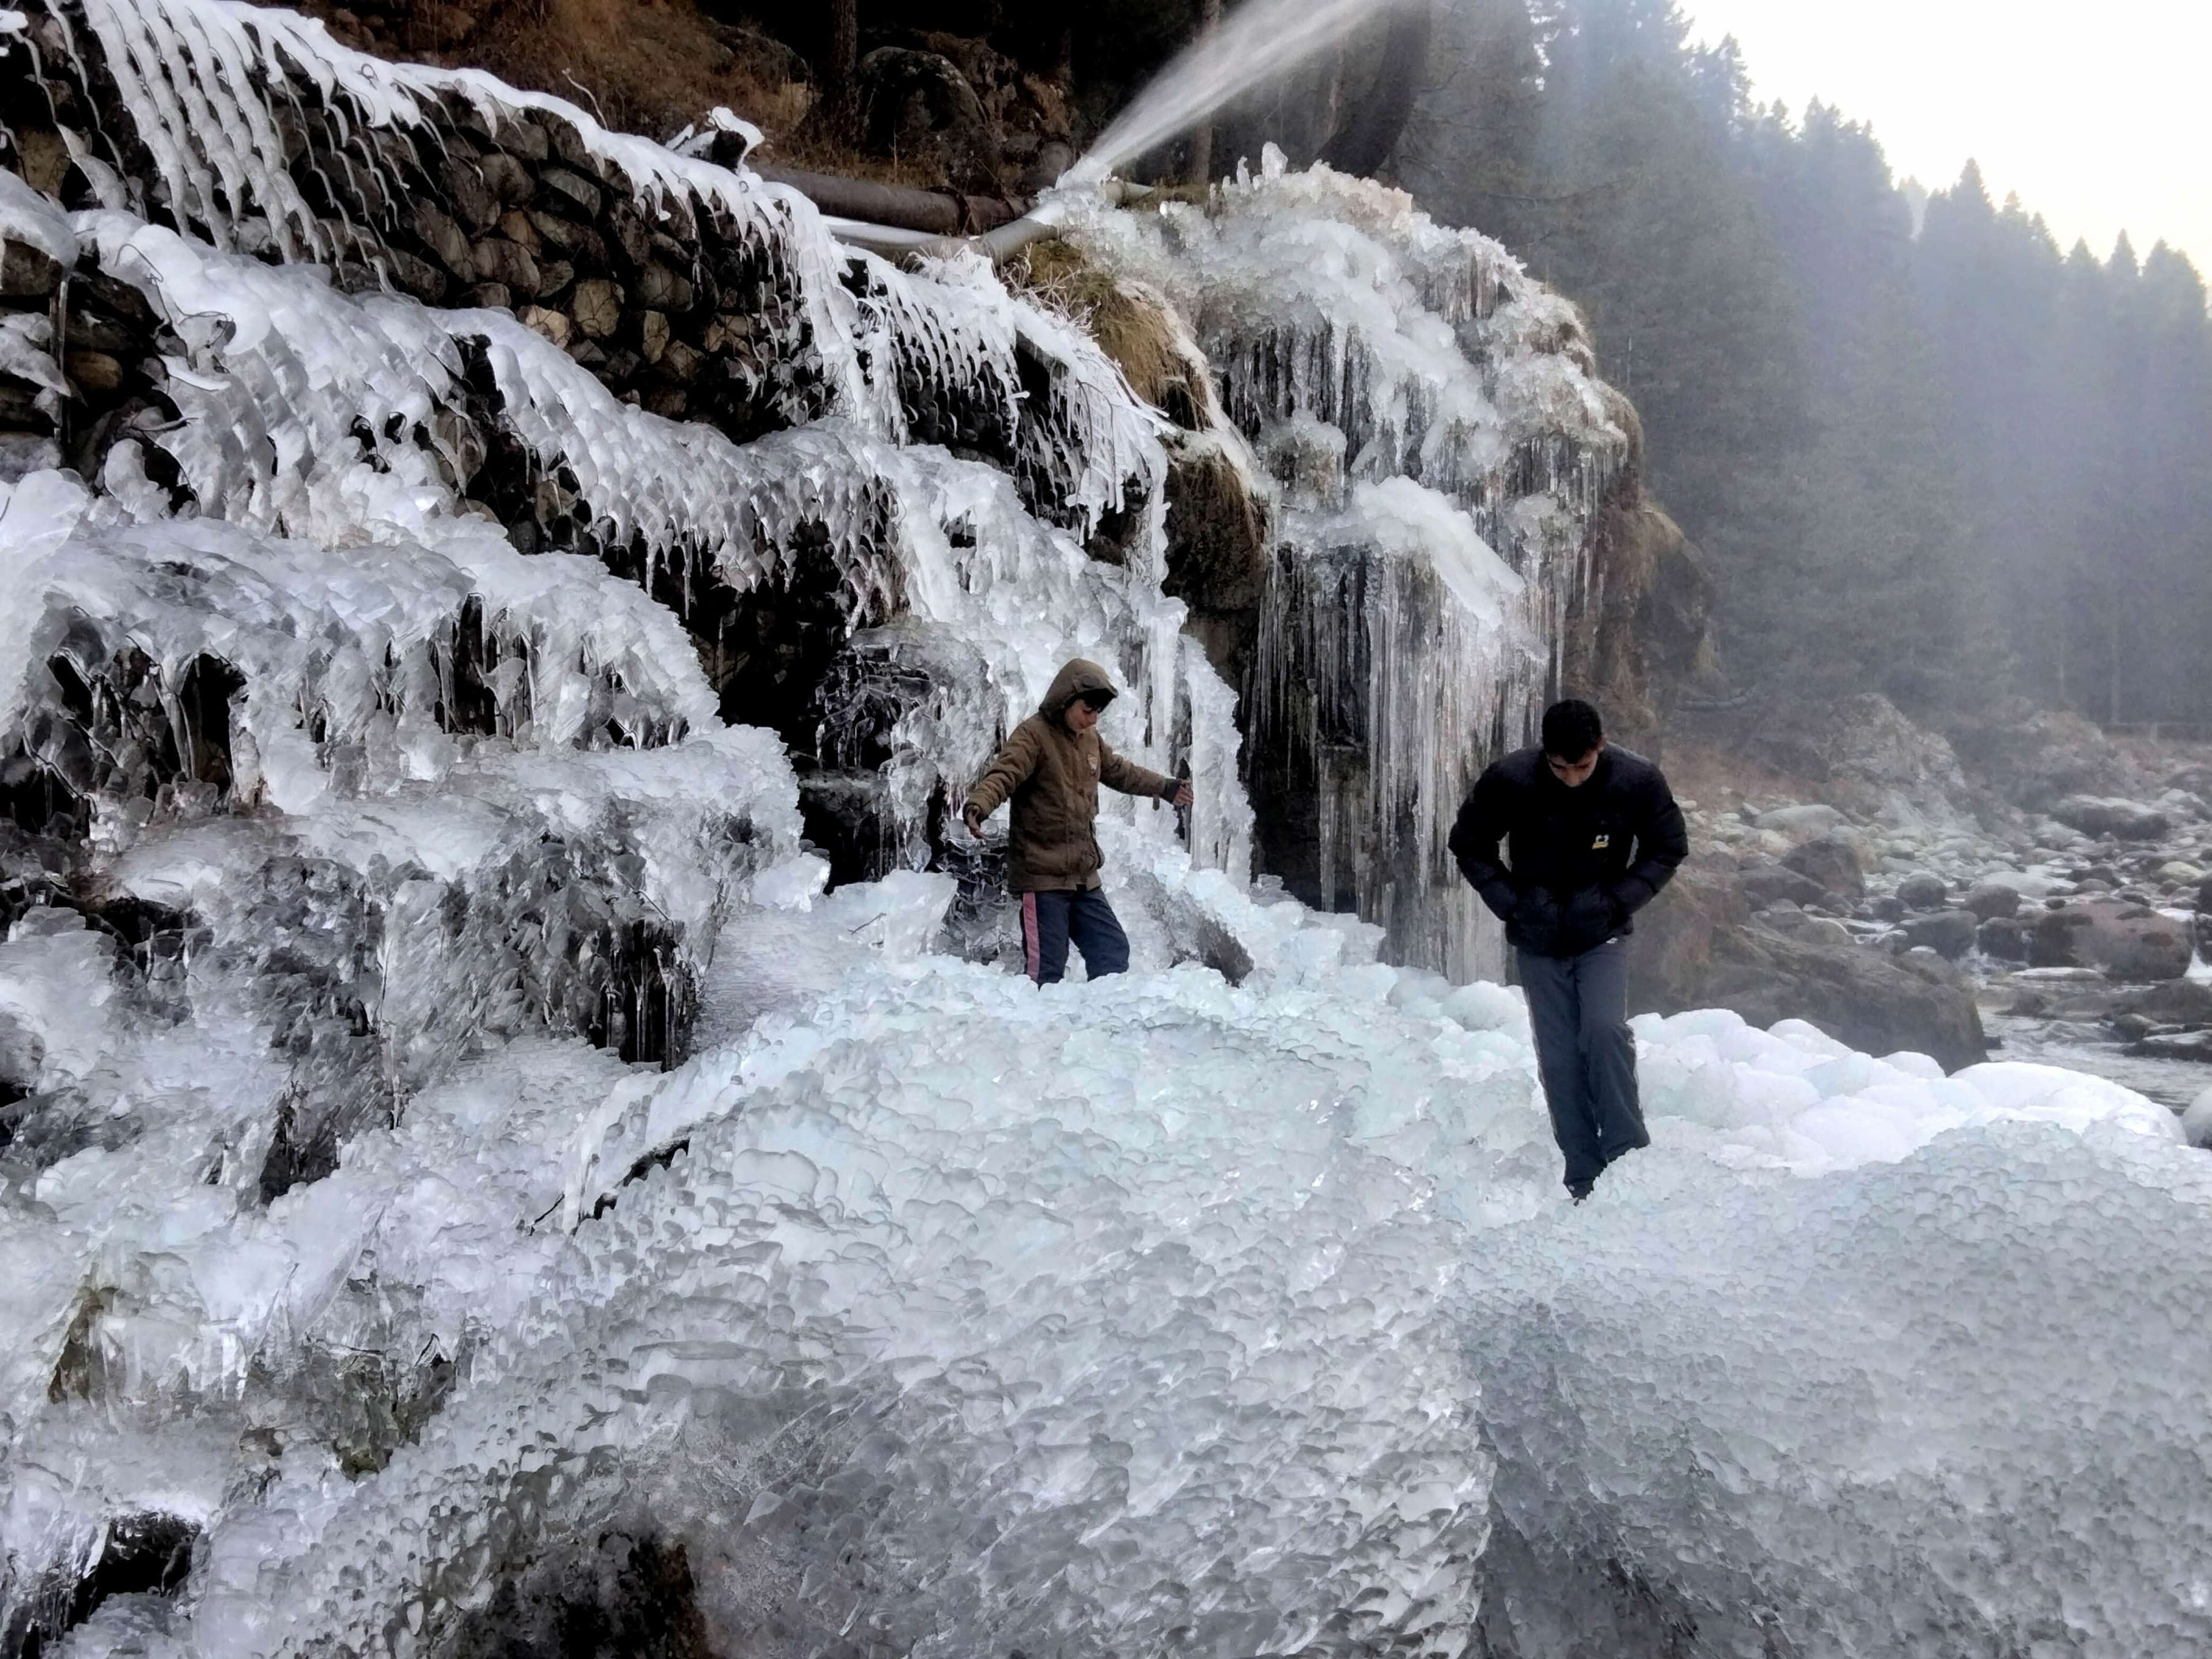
(1832, 860)
(1949, 934)
(615, 1597)
(508, 180)
(26, 272)
(2129, 942)
(470, 194)
(2194, 1046)
(1988, 900)
(2124, 820)
(2006, 939)
(1921, 890)
(570, 191)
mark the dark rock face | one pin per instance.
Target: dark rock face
(147, 1553)
(1639, 631)
(2129, 941)
(617, 1597)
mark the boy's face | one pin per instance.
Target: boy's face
(1081, 716)
(1575, 773)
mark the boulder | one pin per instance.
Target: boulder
(2034, 756)
(1921, 890)
(2006, 938)
(2099, 815)
(1988, 900)
(2195, 1046)
(1832, 860)
(1696, 947)
(2129, 942)
(2176, 1002)
(1811, 819)
(1949, 934)
(1765, 885)
(1803, 924)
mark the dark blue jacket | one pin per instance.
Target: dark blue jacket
(1581, 860)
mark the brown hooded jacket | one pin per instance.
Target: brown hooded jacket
(1052, 776)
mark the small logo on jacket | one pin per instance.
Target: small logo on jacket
(1601, 843)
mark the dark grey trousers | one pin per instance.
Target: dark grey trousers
(1578, 1008)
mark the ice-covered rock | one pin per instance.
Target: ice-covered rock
(446, 1112)
(1438, 442)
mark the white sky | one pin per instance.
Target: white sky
(2098, 115)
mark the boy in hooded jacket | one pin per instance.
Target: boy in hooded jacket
(1051, 768)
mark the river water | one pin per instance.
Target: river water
(2081, 1046)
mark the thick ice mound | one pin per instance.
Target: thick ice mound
(1160, 1312)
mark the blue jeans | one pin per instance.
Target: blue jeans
(1578, 1014)
(1051, 918)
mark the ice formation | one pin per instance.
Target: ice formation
(1438, 444)
(446, 1114)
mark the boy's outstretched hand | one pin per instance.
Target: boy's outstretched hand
(974, 820)
(1182, 796)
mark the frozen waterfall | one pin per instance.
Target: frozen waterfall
(505, 1081)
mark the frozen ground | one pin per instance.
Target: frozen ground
(1163, 1312)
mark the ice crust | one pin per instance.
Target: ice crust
(1230, 1307)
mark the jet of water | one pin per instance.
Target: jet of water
(1264, 39)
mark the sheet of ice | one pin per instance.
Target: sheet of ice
(282, 375)
(27, 217)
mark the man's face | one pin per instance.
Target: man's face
(1082, 715)
(1575, 773)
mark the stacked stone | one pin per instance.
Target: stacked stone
(675, 304)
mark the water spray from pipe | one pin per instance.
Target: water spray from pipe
(1260, 42)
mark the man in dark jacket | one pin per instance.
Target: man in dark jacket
(1592, 833)
(1050, 768)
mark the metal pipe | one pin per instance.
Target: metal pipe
(898, 207)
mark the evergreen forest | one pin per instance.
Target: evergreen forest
(1928, 449)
